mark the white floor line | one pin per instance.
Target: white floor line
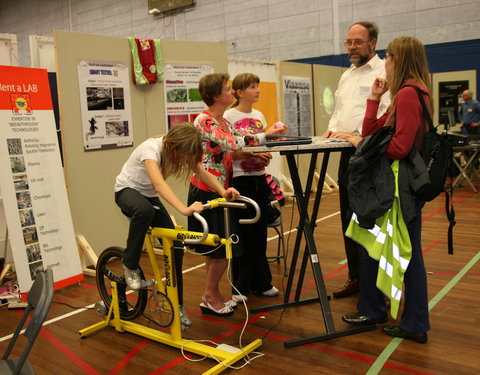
(295, 229)
(86, 308)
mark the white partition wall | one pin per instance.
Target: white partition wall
(8, 56)
(42, 52)
(8, 50)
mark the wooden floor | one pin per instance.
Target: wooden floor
(454, 340)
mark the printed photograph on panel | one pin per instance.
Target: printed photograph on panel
(17, 163)
(33, 253)
(30, 235)
(24, 200)
(99, 98)
(14, 146)
(26, 218)
(116, 128)
(20, 182)
(35, 268)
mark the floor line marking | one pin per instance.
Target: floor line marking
(390, 348)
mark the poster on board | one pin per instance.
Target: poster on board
(105, 104)
(182, 98)
(33, 188)
(297, 108)
(450, 99)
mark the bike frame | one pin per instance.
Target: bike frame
(174, 337)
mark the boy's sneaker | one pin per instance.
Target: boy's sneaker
(132, 277)
(185, 320)
(271, 292)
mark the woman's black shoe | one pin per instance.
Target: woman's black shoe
(362, 320)
(396, 331)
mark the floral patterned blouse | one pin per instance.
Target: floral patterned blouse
(219, 142)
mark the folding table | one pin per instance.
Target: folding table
(306, 227)
(471, 154)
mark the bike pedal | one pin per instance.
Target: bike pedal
(148, 283)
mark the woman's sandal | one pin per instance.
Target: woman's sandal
(231, 303)
(206, 308)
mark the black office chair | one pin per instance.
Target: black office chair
(39, 299)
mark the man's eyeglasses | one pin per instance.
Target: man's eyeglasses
(355, 42)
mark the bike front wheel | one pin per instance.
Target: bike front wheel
(110, 268)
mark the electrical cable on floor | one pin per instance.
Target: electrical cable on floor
(246, 356)
(73, 307)
(284, 275)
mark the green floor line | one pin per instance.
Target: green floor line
(390, 348)
(452, 283)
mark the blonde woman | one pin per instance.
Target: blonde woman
(143, 176)
(406, 66)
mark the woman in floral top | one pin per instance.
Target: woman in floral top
(219, 144)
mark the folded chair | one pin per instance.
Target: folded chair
(277, 225)
(39, 300)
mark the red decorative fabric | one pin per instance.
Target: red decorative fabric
(146, 54)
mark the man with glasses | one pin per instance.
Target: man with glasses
(350, 104)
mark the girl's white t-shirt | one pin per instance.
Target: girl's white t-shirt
(134, 172)
(246, 124)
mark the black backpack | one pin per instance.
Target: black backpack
(437, 153)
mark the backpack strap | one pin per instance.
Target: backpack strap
(426, 113)
(450, 216)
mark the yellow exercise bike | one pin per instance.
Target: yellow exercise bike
(120, 305)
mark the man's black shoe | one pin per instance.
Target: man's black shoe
(362, 320)
(396, 331)
(350, 288)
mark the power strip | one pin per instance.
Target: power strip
(228, 348)
(9, 298)
(18, 305)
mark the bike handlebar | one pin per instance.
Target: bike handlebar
(222, 202)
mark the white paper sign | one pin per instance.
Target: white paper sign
(105, 104)
(297, 112)
(182, 98)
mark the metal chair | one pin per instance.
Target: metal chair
(277, 225)
(39, 298)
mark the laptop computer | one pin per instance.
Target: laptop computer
(459, 139)
(451, 120)
(286, 140)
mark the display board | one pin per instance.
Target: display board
(325, 82)
(91, 176)
(32, 181)
(182, 97)
(300, 72)
(459, 76)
